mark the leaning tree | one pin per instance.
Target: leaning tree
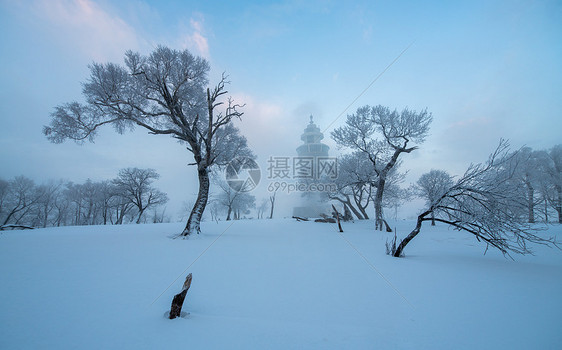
(486, 203)
(165, 93)
(383, 135)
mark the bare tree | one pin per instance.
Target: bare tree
(135, 185)
(528, 175)
(20, 200)
(552, 166)
(165, 94)
(62, 206)
(545, 185)
(355, 181)
(214, 209)
(482, 202)
(395, 196)
(50, 192)
(272, 203)
(4, 192)
(227, 197)
(262, 208)
(397, 130)
(431, 186)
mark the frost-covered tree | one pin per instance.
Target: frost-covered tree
(485, 202)
(4, 190)
(165, 93)
(272, 203)
(354, 184)
(431, 186)
(552, 166)
(50, 193)
(395, 196)
(233, 202)
(20, 201)
(226, 198)
(135, 185)
(262, 208)
(383, 135)
(528, 175)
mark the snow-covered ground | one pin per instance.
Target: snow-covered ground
(273, 284)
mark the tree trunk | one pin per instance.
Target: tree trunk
(530, 201)
(559, 204)
(432, 219)
(194, 222)
(545, 211)
(140, 215)
(363, 212)
(378, 205)
(179, 298)
(45, 215)
(228, 213)
(272, 200)
(357, 198)
(411, 236)
(347, 213)
(379, 219)
(347, 203)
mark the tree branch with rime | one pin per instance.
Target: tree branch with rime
(165, 93)
(484, 203)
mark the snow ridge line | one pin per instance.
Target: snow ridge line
(193, 262)
(373, 267)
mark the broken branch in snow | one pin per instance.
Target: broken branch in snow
(337, 218)
(179, 298)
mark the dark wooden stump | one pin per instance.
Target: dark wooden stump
(179, 298)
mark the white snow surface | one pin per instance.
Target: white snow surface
(273, 284)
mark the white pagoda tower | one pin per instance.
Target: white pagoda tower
(311, 204)
(312, 146)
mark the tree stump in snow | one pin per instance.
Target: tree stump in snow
(177, 302)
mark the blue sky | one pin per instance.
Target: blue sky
(485, 69)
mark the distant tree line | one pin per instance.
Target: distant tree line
(128, 198)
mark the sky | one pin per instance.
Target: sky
(485, 70)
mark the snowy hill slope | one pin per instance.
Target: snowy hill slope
(274, 284)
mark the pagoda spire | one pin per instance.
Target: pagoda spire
(312, 145)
